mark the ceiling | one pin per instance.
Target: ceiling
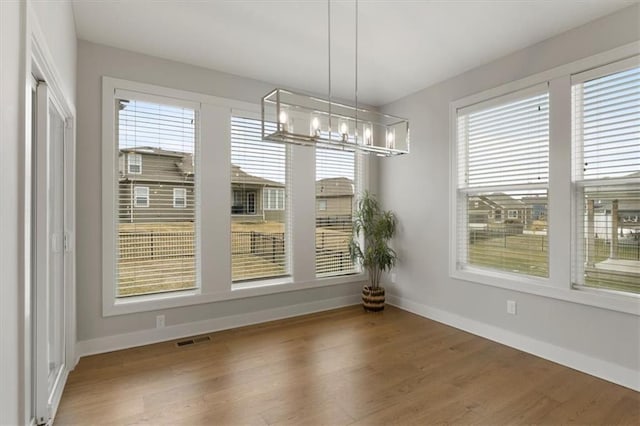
(404, 46)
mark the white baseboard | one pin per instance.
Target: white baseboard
(596, 367)
(156, 335)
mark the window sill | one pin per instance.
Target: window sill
(158, 302)
(629, 304)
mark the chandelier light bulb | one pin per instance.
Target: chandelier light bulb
(283, 117)
(367, 136)
(391, 142)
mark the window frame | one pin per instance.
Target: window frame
(559, 284)
(581, 183)
(215, 239)
(322, 204)
(267, 198)
(501, 214)
(183, 197)
(136, 197)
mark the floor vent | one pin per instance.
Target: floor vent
(193, 341)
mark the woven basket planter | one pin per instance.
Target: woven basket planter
(373, 299)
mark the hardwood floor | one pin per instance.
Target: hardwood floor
(336, 368)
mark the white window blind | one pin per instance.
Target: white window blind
(503, 175)
(156, 243)
(259, 226)
(336, 183)
(606, 136)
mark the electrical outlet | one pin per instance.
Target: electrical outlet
(511, 307)
(393, 277)
(160, 321)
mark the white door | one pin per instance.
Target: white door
(49, 313)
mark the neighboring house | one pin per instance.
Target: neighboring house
(155, 185)
(256, 199)
(334, 200)
(499, 208)
(628, 220)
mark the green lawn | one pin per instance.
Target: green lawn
(525, 254)
(528, 254)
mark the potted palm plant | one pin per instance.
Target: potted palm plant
(369, 247)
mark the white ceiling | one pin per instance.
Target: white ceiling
(404, 46)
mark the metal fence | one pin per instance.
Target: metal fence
(269, 246)
(152, 245)
(509, 239)
(628, 249)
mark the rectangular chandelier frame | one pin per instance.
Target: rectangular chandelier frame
(289, 117)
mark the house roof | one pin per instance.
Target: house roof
(496, 200)
(149, 150)
(239, 176)
(334, 187)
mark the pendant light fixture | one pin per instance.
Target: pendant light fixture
(294, 118)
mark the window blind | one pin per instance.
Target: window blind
(260, 203)
(607, 125)
(506, 144)
(336, 189)
(156, 238)
(606, 134)
(503, 175)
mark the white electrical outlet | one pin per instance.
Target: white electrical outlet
(511, 307)
(393, 277)
(160, 321)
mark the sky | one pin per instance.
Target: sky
(144, 124)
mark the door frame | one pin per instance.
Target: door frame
(41, 66)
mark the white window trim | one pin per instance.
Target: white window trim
(322, 204)
(513, 214)
(215, 121)
(145, 191)
(136, 162)
(179, 197)
(558, 285)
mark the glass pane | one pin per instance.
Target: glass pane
(55, 291)
(335, 191)
(259, 204)
(611, 238)
(508, 231)
(156, 236)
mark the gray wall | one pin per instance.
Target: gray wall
(422, 275)
(12, 27)
(94, 61)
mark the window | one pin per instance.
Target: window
(244, 202)
(259, 244)
(335, 197)
(606, 155)
(134, 162)
(141, 196)
(273, 198)
(179, 198)
(503, 167)
(155, 246)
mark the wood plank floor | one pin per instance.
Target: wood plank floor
(338, 367)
